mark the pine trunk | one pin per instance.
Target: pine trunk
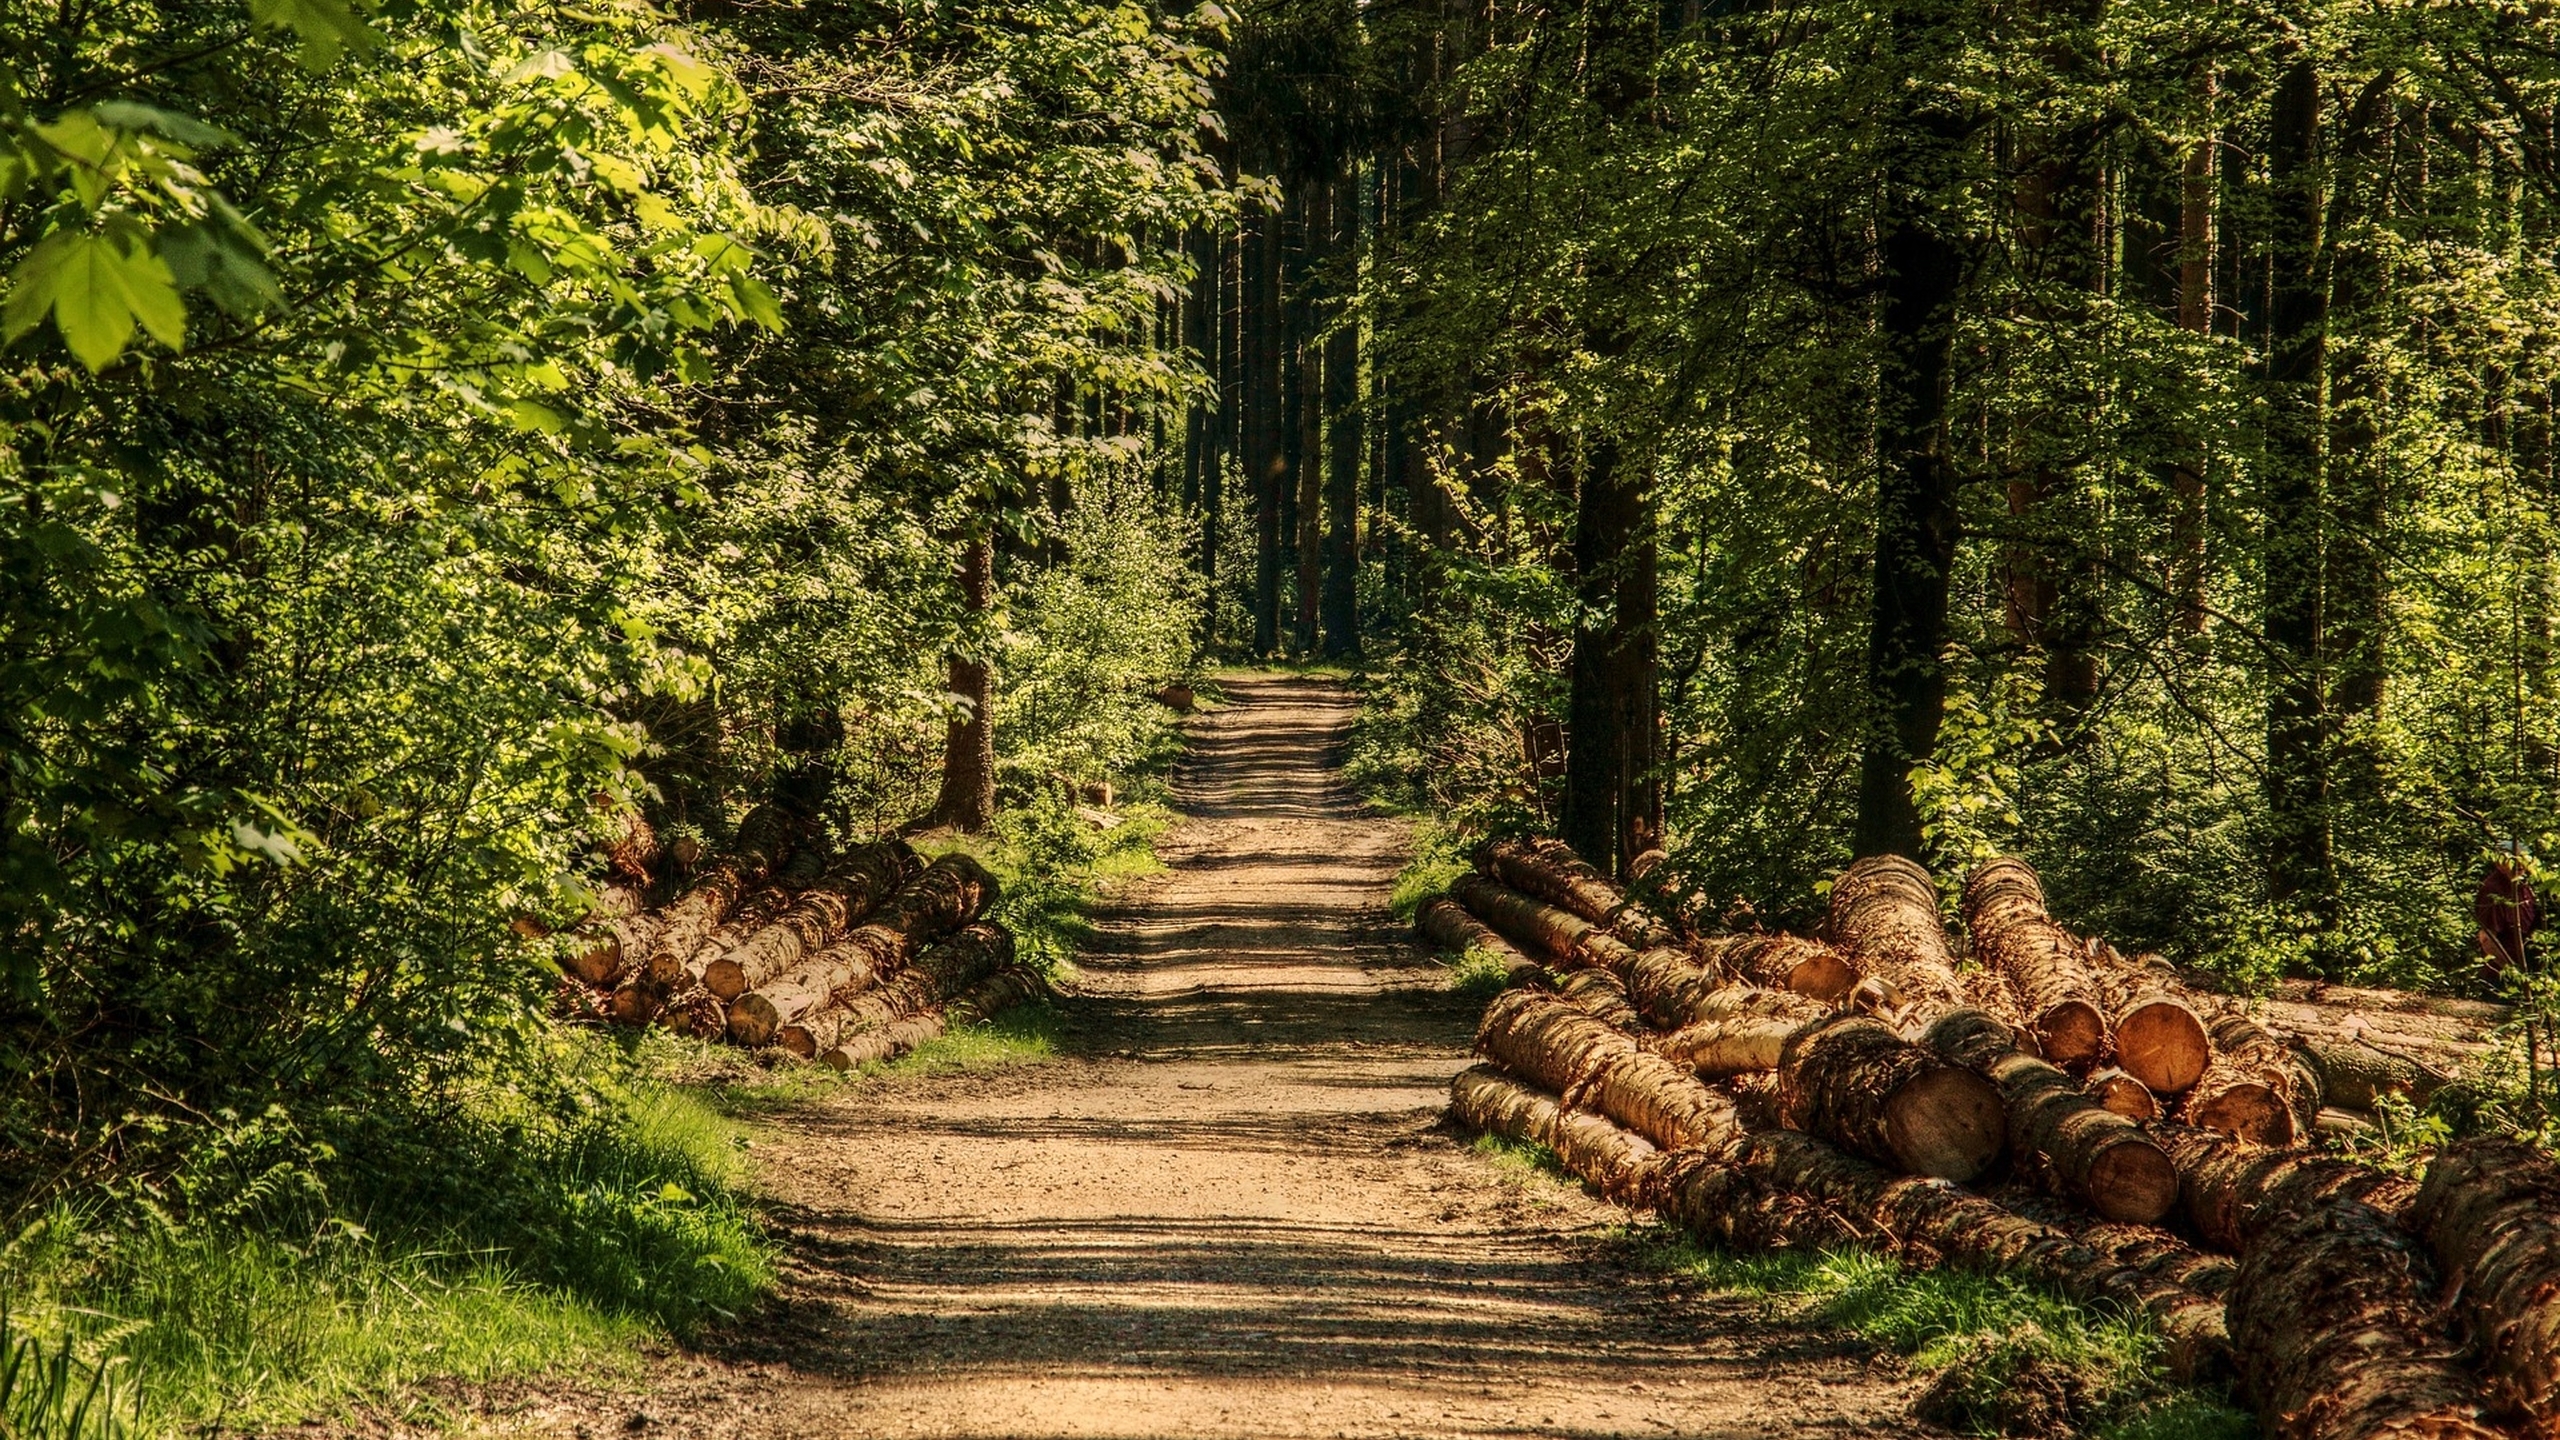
(2058, 991)
(2250, 1088)
(1789, 962)
(1851, 1080)
(2490, 1210)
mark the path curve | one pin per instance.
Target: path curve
(1230, 1208)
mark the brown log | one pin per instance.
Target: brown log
(2048, 966)
(1927, 1222)
(1614, 1160)
(2228, 1190)
(1790, 962)
(998, 992)
(2337, 1339)
(1549, 870)
(1549, 931)
(1780, 1187)
(1602, 996)
(1445, 923)
(2159, 1031)
(761, 1015)
(2097, 1157)
(852, 889)
(763, 842)
(633, 1002)
(936, 976)
(671, 970)
(632, 852)
(695, 1013)
(2354, 1074)
(1851, 1080)
(2490, 1212)
(1672, 989)
(2119, 1092)
(2249, 1089)
(617, 929)
(1884, 916)
(2332, 1123)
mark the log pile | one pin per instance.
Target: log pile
(851, 958)
(2139, 1139)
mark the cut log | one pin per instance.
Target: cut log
(992, 995)
(672, 971)
(1736, 1030)
(1602, 996)
(2353, 1074)
(1851, 1080)
(1789, 962)
(2248, 1090)
(759, 1016)
(1549, 870)
(2337, 1339)
(2159, 1030)
(1672, 990)
(2097, 1157)
(1445, 923)
(2228, 1190)
(2119, 1092)
(632, 851)
(936, 976)
(1548, 931)
(764, 841)
(1614, 1160)
(2048, 967)
(616, 931)
(1779, 1187)
(2490, 1212)
(1884, 916)
(853, 888)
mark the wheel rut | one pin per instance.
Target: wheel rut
(1229, 1207)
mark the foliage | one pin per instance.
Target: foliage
(2004, 1357)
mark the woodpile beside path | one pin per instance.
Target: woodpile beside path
(2036, 1102)
(847, 958)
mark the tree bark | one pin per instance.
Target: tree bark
(2490, 1211)
(968, 799)
(1551, 871)
(2159, 1036)
(1855, 1083)
(854, 887)
(2120, 1093)
(2097, 1157)
(1550, 931)
(2248, 1091)
(1266, 464)
(949, 894)
(2198, 191)
(2058, 991)
(1884, 916)
(1790, 962)
(1445, 923)
(1343, 448)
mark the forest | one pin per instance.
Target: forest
(440, 440)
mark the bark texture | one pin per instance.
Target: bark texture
(1851, 1080)
(2490, 1211)
(2057, 989)
(2336, 1337)
(1550, 870)
(1789, 962)
(2159, 1032)
(853, 887)
(2249, 1089)
(1547, 930)
(2228, 1191)
(2096, 1156)
(1884, 915)
(1445, 923)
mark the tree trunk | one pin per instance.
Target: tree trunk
(2198, 191)
(1343, 448)
(2354, 578)
(1610, 792)
(2300, 869)
(968, 799)
(1852, 1081)
(2097, 1157)
(2248, 1091)
(1551, 871)
(939, 973)
(1266, 464)
(2121, 1094)
(2058, 992)
(1793, 963)
(1917, 521)
(2354, 1073)
(1617, 1162)
(2490, 1210)
(2229, 1190)
(2160, 1038)
(1884, 916)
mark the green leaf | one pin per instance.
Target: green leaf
(167, 124)
(327, 28)
(97, 289)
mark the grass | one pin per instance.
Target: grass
(2004, 1357)
(1054, 865)
(1523, 1162)
(1024, 1035)
(279, 1277)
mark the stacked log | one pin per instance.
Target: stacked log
(2490, 1213)
(905, 1010)
(1790, 962)
(851, 889)
(946, 895)
(2096, 1156)
(1884, 916)
(2251, 1087)
(1445, 923)
(2157, 1029)
(2058, 993)
(1549, 870)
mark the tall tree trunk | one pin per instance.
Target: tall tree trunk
(1301, 512)
(2198, 190)
(1265, 463)
(2353, 575)
(1916, 518)
(2300, 868)
(968, 799)
(1343, 447)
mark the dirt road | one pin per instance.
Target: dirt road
(1229, 1208)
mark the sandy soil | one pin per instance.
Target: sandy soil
(1229, 1208)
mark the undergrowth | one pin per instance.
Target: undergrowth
(1054, 863)
(288, 1269)
(2003, 1356)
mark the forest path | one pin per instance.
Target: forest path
(1229, 1207)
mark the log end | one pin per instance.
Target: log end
(797, 1040)
(1821, 974)
(2246, 1111)
(2071, 1035)
(725, 978)
(1946, 1123)
(2133, 1182)
(632, 1004)
(753, 1020)
(2162, 1043)
(595, 964)
(2120, 1093)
